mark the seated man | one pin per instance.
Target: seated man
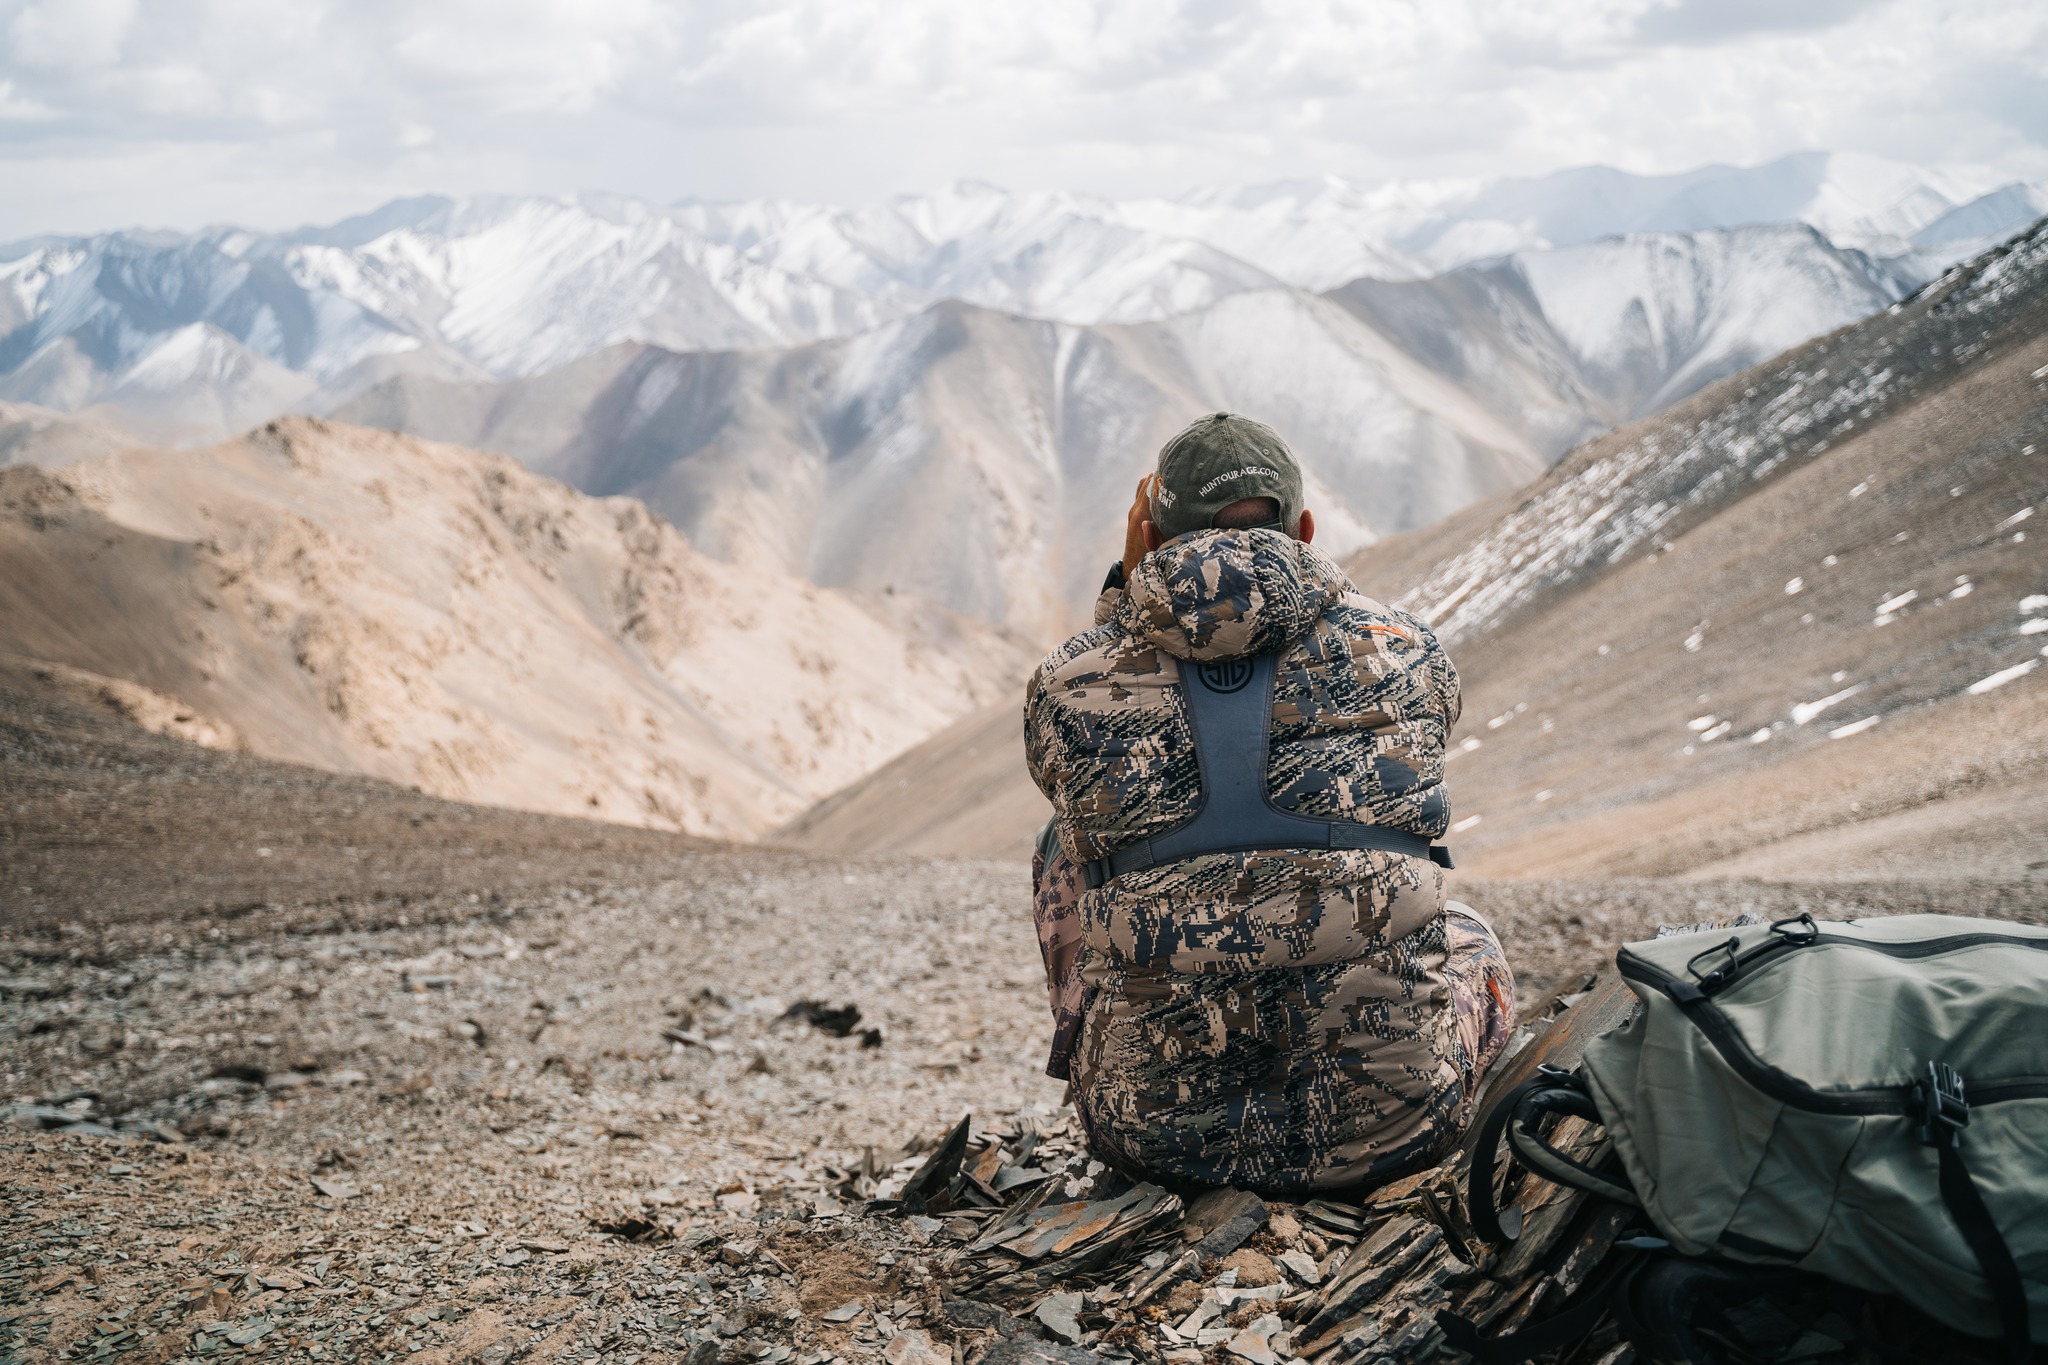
(1256, 978)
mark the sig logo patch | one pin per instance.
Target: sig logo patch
(1225, 675)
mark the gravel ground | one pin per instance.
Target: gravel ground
(439, 1139)
(518, 1087)
(444, 1118)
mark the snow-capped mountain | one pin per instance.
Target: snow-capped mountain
(1652, 317)
(503, 287)
(1062, 257)
(968, 454)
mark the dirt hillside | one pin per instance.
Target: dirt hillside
(963, 793)
(439, 617)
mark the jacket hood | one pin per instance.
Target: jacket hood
(1221, 594)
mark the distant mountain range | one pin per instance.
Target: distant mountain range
(498, 287)
(978, 457)
(943, 394)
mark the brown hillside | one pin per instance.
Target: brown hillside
(963, 793)
(441, 618)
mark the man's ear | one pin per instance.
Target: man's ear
(1307, 530)
(1153, 540)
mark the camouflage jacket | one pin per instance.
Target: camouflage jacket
(1270, 1020)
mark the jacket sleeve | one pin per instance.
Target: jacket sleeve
(1041, 738)
(1442, 675)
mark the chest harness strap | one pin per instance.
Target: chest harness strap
(1230, 709)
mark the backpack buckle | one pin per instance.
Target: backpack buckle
(1710, 981)
(1799, 930)
(1944, 1113)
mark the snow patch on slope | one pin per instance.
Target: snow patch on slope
(1607, 505)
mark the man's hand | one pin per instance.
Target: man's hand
(1134, 524)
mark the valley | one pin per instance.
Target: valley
(440, 618)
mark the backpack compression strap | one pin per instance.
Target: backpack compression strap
(1230, 710)
(1945, 1113)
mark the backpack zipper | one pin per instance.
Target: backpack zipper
(1789, 1089)
(1783, 941)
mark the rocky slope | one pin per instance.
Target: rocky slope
(1792, 622)
(1792, 626)
(435, 616)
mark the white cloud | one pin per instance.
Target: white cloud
(14, 108)
(301, 111)
(72, 35)
(558, 56)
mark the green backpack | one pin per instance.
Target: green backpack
(1866, 1100)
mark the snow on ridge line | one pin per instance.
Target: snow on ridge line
(518, 284)
(1594, 512)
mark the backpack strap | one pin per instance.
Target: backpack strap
(1479, 1202)
(1230, 710)
(1544, 1159)
(1945, 1113)
(1516, 1115)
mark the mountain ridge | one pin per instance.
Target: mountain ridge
(510, 286)
(1406, 401)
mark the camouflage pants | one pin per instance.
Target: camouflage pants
(1288, 1116)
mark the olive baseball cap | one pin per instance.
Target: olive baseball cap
(1218, 460)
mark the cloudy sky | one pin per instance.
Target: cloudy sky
(276, 112)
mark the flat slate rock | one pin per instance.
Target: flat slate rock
(1024, 1351)
(1221, 1221)
(974, 1315)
